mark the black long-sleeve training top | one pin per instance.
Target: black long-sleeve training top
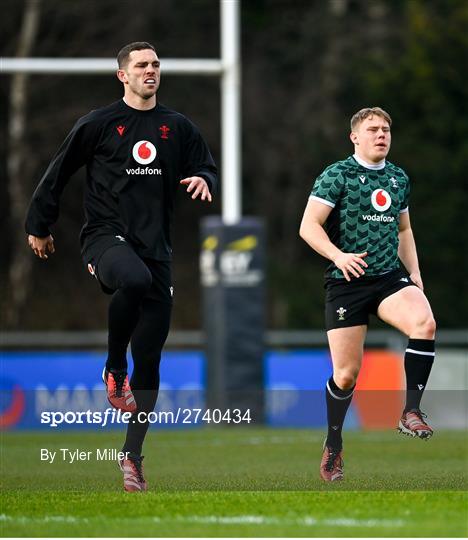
(134, 161)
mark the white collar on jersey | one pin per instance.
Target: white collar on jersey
(373, 166)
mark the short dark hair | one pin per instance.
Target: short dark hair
(369, 111)
(124, 53)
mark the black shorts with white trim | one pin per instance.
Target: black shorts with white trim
(349, 303)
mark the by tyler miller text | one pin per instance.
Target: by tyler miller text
(73, 455)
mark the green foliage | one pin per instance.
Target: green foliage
(425, 91)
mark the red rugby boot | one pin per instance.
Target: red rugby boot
(132, 467)
(412, 423)
(331, 466)
(119, 393)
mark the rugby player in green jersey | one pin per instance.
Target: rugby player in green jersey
(357, 217)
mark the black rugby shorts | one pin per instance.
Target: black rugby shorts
(349, 303)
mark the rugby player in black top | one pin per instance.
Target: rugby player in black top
(136, 153)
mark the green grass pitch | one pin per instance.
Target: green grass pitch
(237, 482)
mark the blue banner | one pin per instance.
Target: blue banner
(34, 382)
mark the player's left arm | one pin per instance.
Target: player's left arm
(198, 185)
(407, 249)
(199, 170)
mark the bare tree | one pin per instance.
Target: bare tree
(19, 272)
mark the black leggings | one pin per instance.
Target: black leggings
(140, 312)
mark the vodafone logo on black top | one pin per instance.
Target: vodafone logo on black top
(381, 200)
(144, 152)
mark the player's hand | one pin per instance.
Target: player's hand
(40, 246)
(199, 186)
(417, 280)
(351, 263)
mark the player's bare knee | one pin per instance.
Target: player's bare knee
(345, 379)
(429, 327)
(424, 327)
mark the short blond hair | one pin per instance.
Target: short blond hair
(369, 111)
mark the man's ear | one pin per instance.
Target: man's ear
(353, 137)
(122, 76)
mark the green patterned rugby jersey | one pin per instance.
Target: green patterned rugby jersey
(366, 211)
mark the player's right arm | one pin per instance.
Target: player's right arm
(41, 246)
(43, 209)
(326, 194)
(313, 232)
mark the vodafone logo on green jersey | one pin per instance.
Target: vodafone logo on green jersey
(375, 217)
(144, 152)
(381, 200)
